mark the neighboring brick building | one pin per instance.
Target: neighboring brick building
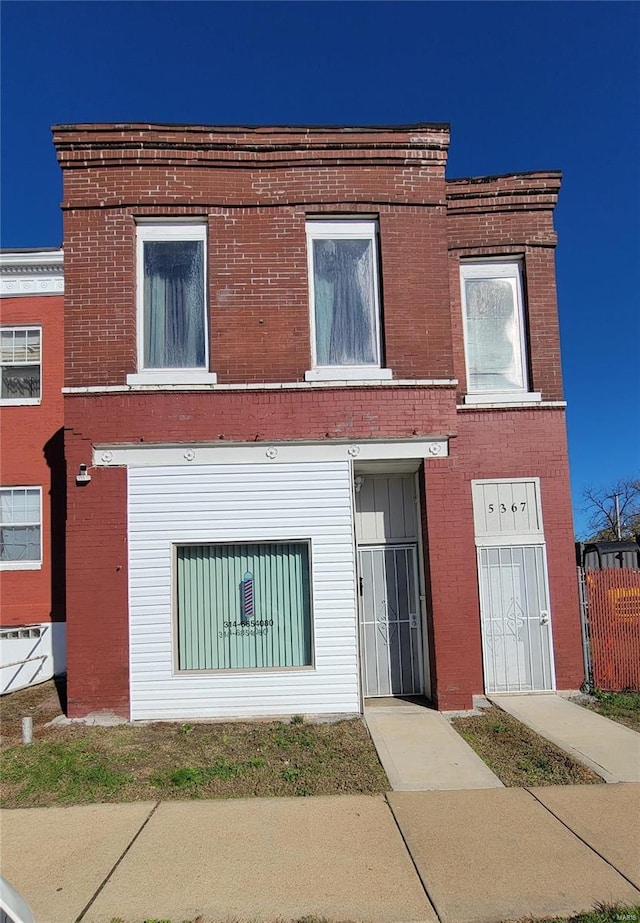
(317, 390)
(32, 478)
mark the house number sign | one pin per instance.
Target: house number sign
(505, 507)
(502, 507)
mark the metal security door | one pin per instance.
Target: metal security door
(514, 611)
(390, 629)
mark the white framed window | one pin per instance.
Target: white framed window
(494, 331)
(344, 290)
(21, 362)
(243, 606)
(173, 340)
(20, 528)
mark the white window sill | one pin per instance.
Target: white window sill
(340, 373)
(20, 565)
(504, 397)
(159, 377)
(20, 402)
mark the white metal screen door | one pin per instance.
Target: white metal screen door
(514, 610)
(390, 627)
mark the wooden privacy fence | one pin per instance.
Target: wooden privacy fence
(613, 601)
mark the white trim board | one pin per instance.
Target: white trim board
(194, 454)
(341, 229)
(270, 385)
(169, 232)
(32, 272)
(561, 405)
(504, 397)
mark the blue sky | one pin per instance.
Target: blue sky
(525, 86)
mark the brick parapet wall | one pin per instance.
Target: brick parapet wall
(511, 192)
(245, 145)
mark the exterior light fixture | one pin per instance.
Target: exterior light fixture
(82, 477)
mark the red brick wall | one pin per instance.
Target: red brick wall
(510, 216)
(97, 587)
(31, 456)
(255, 189)
(417, 313)
(258, 293)
(97, 602)
(496, 444)
(506, 443)
(249, 416)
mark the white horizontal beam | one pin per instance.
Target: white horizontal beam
(138, 456)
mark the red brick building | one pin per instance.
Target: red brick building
(316, 390)
(32, 480)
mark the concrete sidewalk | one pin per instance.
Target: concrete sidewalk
(476, 856)
(259, 859)
(421, 752)
(500, 854)
(609, 748)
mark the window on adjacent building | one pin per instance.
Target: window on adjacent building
(494, 327)
(20, 358)
(20, 527)
(345, 301)
(171, 297)
(243, 607)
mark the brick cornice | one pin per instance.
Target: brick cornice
(85, 145)
(511, 192)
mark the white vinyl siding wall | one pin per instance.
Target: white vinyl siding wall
(242, 503)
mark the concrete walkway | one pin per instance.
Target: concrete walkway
(421, 752)
(609, 748)
(412, 857)
(500, 854)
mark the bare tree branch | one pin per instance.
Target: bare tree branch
(600, 504)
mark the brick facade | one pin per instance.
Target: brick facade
(255, 188)
(496, 444)
(31, 455)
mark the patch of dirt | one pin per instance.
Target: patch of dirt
(519, 756)
(42, 703)
(77, 764)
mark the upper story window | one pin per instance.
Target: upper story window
(494, 331)
(172, 304)
(21, 359)
(345, 300)
(20, 528)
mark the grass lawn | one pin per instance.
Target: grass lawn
(603, 913)
(147, 762)
(517, 755)
(306, 919)
(623, 707)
